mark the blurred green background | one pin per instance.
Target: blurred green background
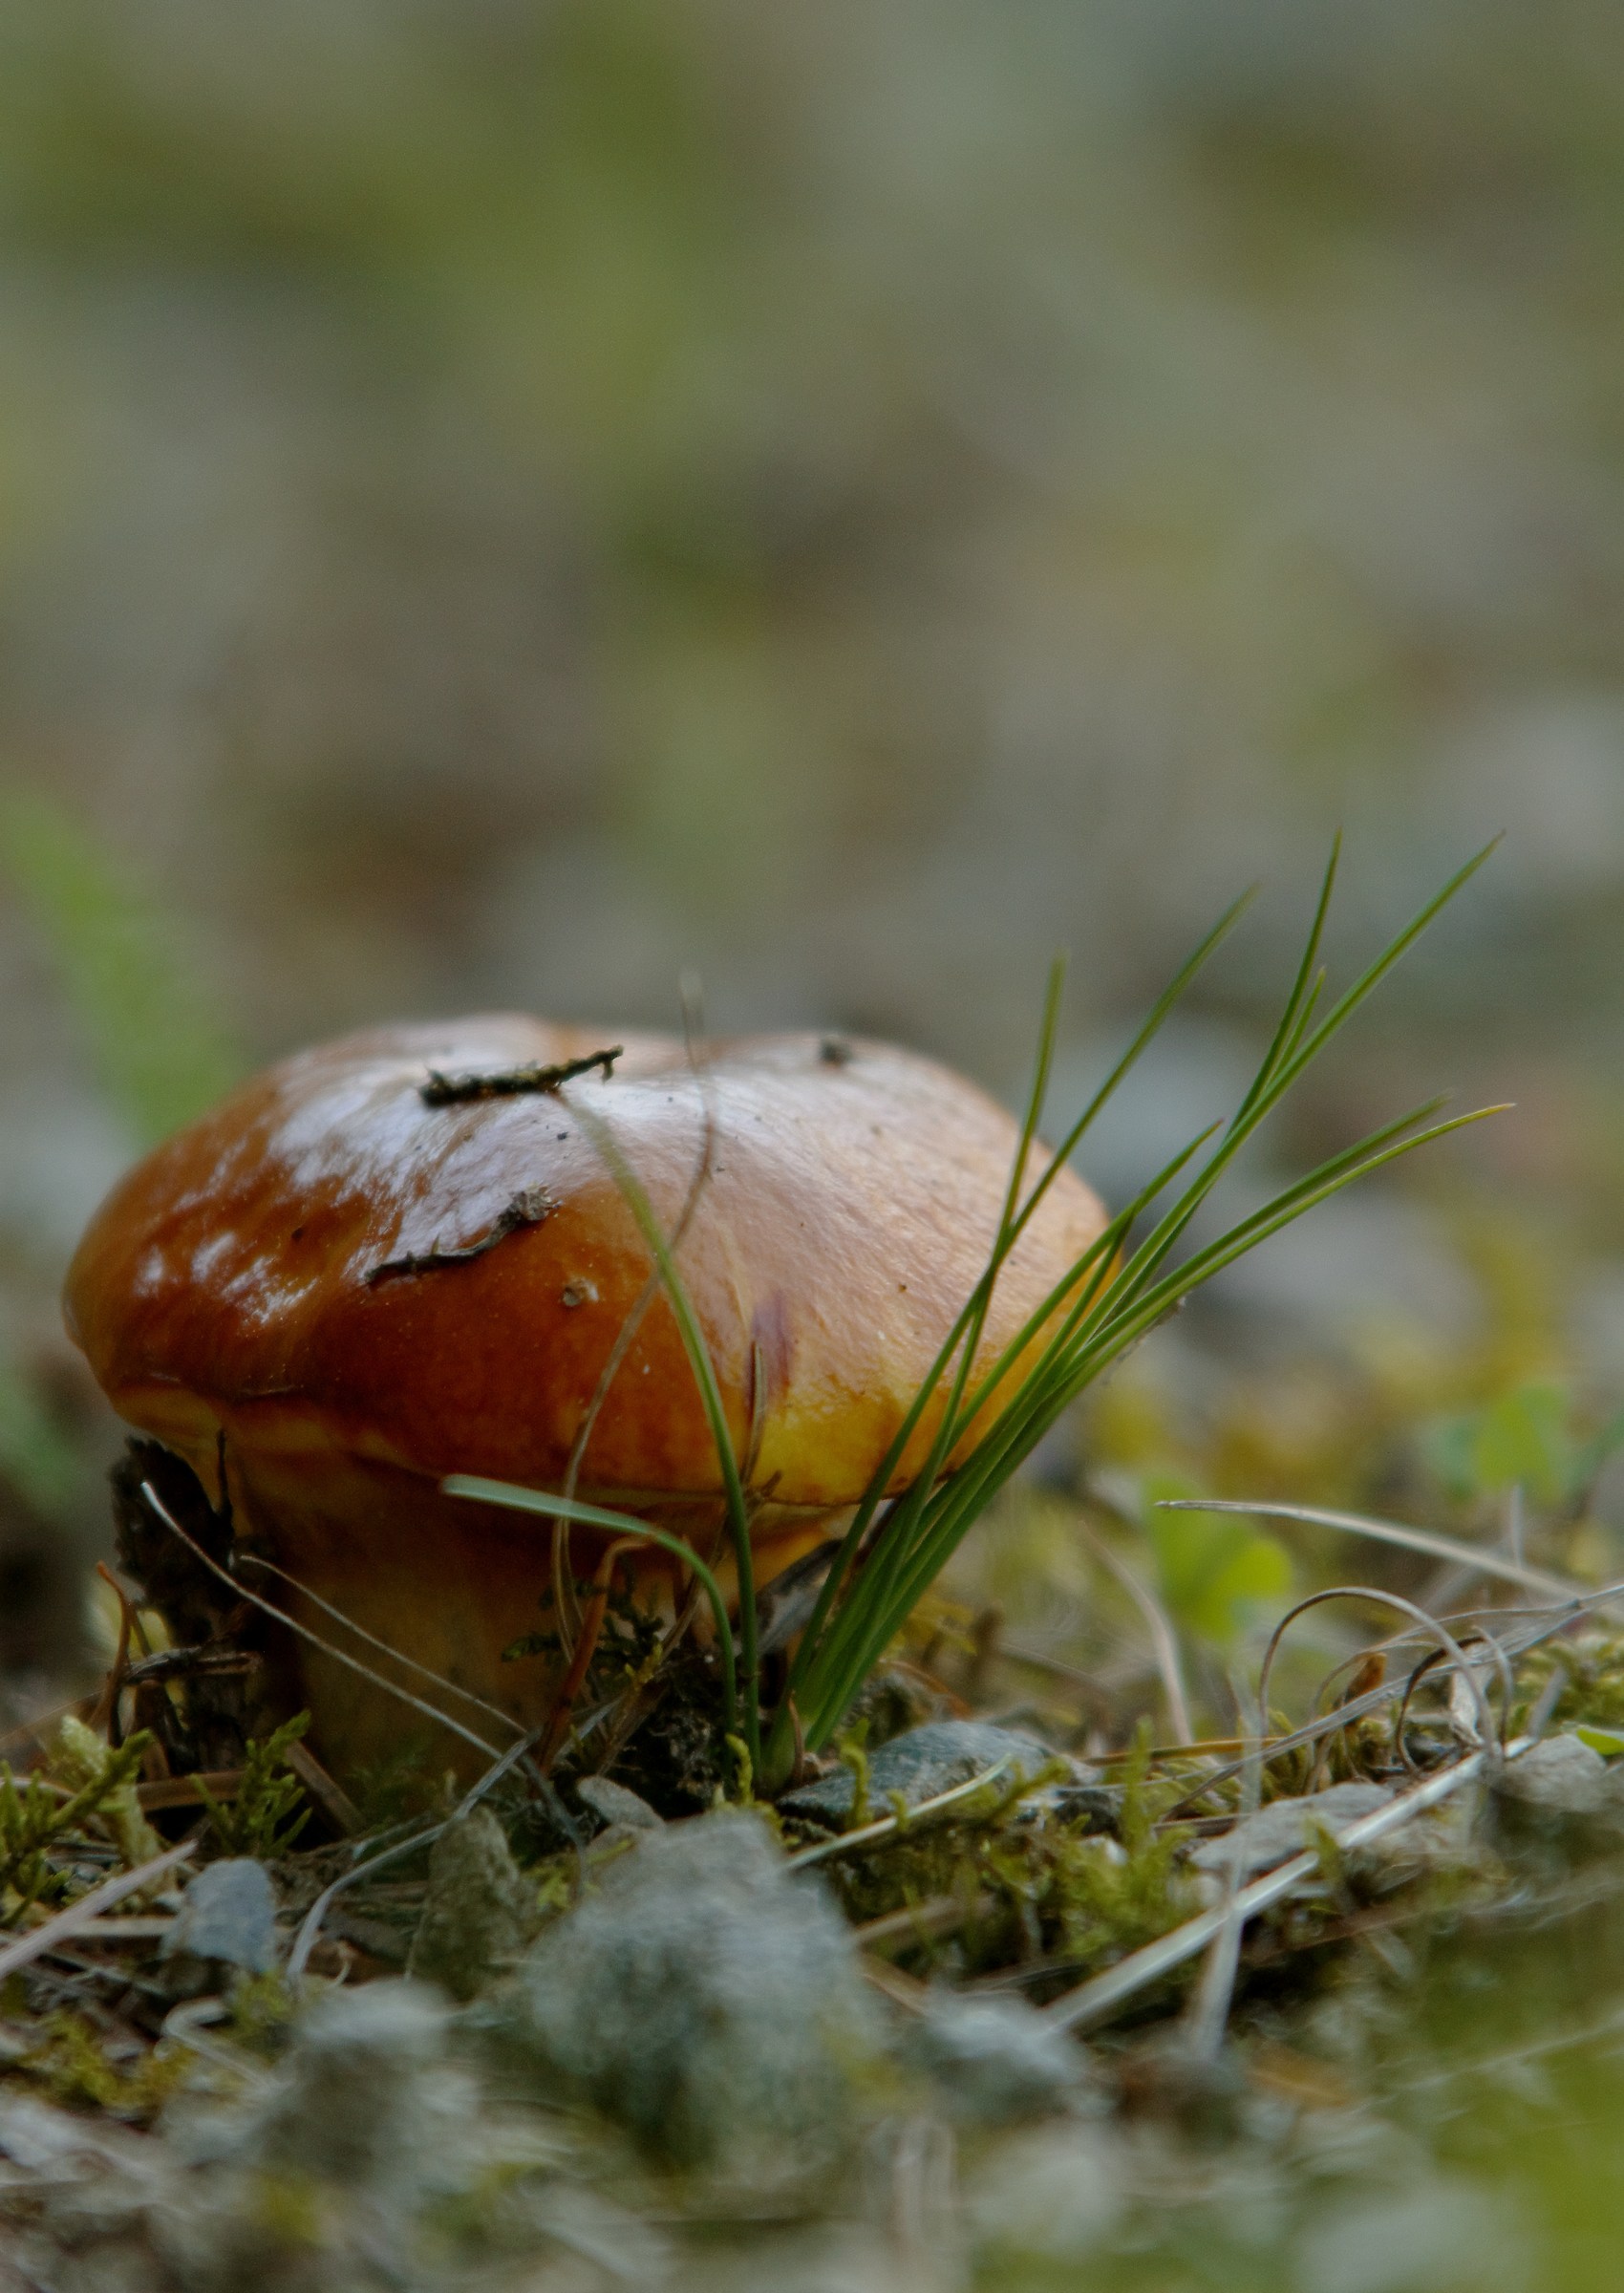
(501, 501)
(504, 501)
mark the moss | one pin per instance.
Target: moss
(33, 1818)
(407, 1782)
(1033, 1885)
(480, 1913)
(261, 2015)
(1108, 1903)
(1593, 1691)
(72, 2065)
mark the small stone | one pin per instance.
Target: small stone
(704, 1997)
(478, 1914)
(371, 2159)
(1090, 1807)
(226, 1921)
(1285, 1828)
(613, 1803)
(995, 2061)
(1562, 1776)
(920, 1765)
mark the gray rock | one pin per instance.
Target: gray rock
(366, 2097)
(479, 1913)
(995, 2061)
(920, 1764)
(702, 1997)
(613, 1803)
(1090, 1807)
(1272, 1835)
(1560, 1777)
(366, 2163)
(226, 1923)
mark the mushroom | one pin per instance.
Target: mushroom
(405, 1255)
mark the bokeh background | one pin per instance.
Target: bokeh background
(505, 502)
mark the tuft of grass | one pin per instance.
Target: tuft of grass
(1117, 1291)
(990, 1415)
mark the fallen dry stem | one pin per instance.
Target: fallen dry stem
(1550, 1622)
(187, 1791)
(870, 1833)
(924, 1922)
(1448, 1647)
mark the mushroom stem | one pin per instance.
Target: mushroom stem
(585, 1648)
(631, 1531)
(402, 1695)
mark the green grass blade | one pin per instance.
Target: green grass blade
(882, 1477)
(1365, 985)
(848, 1658)
(1106, 1317)
(963, 1339)
(1237, 1243)
(1095, 1261)
(1161, 1011)
(1304, 993)
(1137, 1277)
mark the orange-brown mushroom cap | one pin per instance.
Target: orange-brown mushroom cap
(364, 1287)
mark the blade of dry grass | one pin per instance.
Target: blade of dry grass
(1484, 1561)
(63, 1925)
(1448, 1646)
(407, 1664)
(1163, 1638)
(870, 1833)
